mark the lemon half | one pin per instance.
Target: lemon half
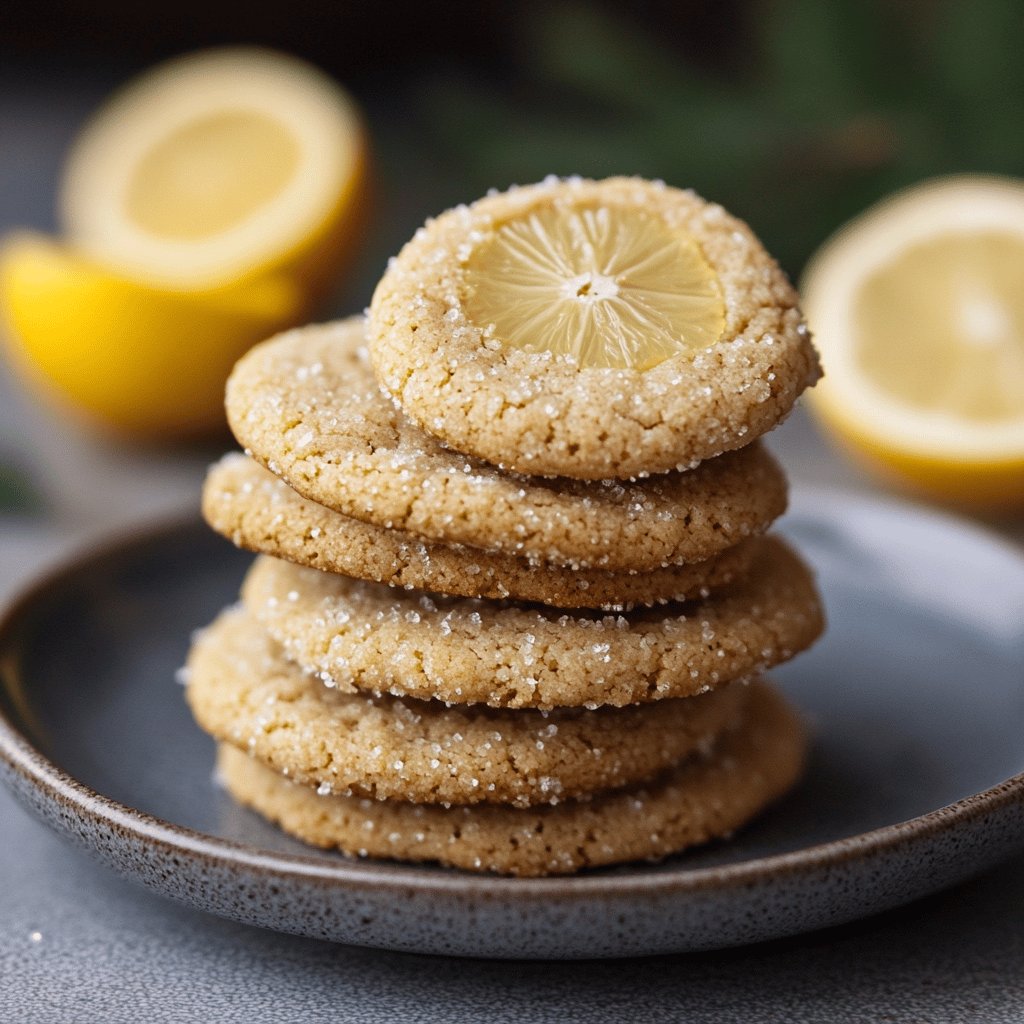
(918, 310)
(609, 286)
(216, 166)
(144, 360)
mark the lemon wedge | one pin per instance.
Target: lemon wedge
(609, 286)
(216, 166)
(917, 308)
(144, 360)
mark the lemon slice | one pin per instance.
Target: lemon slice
(918, 309)
(217, 165)
(144, 360)
(611, 287)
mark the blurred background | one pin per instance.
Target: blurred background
(794, 114)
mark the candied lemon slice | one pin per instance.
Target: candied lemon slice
(218, 165)
(918, 308)
(608, 286)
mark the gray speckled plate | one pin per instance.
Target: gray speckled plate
(916, 696)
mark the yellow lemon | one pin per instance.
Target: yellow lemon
(145, 360)
(219, 165)
(610, 286)
(917, 307)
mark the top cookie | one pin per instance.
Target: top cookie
(590, 329)
(307, 407)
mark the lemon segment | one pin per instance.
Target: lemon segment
(918, 310)
(148, 361)
(216, 166)
(607, 286)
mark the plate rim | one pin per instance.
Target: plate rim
(20, 756)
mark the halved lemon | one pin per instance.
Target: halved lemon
(145, 360)
(609, 286)
(917, 307)
(218, 165)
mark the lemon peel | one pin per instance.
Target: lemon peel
(140, 359)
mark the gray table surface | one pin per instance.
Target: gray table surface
(77, 943)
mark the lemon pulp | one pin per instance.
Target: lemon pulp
(211, 174)
(610, 287)
(941, 326)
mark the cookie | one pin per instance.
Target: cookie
(703, 798)
(259, 512)
(590, 329)
(360, 635)
(306, 406)
(243, 691)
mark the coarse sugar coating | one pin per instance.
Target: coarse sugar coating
(260, 512)
(244, 692)
(306, 406)
(703, 798)
(573, 258)
(360, 635)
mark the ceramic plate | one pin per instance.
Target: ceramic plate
(915, 697)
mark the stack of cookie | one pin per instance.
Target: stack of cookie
(514, 597)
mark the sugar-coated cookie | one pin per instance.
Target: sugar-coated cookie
(361, 635)
(244, 692)
(703, 798)
(590, 329)
(260, 512)
(306, 406)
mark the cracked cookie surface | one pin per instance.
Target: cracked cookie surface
(701, 799)
(507, 393)
(366, 636)
(244, 692)
(260, 512)
(305, 404)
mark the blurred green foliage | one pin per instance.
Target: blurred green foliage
(837, 103)
(17, 495)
